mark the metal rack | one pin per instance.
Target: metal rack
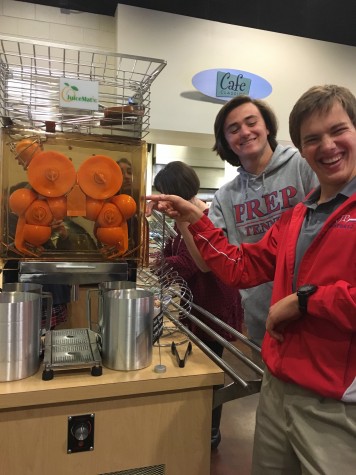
(30, 74)
(180, 305)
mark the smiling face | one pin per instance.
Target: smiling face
(328, 143)
(247, 136)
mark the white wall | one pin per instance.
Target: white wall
(44, 23)
(291, 64)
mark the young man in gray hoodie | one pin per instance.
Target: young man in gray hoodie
(270, 178)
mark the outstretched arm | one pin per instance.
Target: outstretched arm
(184, 212)
(175, 207)
(191, 246)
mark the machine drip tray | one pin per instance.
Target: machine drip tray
(71, 349)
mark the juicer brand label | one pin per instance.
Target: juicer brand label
(78, 94)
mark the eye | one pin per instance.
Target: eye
(251, 123)
(340, 130)
(233, 129)
(309, 141)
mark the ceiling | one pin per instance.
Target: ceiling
(326, 20)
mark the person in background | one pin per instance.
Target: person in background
(127, 175)
(127, 189)
(270, 179)
(306, 417)
(208, 291)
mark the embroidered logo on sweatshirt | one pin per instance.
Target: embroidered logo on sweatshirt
(346, 221)
(346, 218)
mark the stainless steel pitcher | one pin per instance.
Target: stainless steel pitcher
(20, 334)
(37, 289)
(95, 323)
(127, 329)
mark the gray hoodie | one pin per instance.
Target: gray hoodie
(247, 206)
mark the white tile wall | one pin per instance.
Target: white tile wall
(45, 23)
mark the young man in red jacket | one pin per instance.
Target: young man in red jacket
(306, 419)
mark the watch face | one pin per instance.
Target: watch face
(307, 288)
(303, 294)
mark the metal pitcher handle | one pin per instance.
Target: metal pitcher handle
(49, 306)
(89, 313)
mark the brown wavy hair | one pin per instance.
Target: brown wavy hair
(221, 147)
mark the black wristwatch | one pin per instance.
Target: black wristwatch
(303, 294)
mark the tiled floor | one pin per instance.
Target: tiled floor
(233, 456)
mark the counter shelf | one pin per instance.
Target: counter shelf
(143, 419)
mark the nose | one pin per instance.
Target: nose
(244, 130)
(327, 142)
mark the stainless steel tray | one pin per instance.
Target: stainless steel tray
(71, 349)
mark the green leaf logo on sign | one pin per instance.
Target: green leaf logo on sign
(78, 94)
(229, 85)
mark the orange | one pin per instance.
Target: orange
(109, 216)
(126, 205)
(36, 235)
(26, 149)
(39, 213)
(93, 208)
(110, 236)
(21, 199)
(58, 207)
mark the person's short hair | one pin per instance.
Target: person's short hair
(221, 147)
(124, 160)
(177, 178)
(319, 99)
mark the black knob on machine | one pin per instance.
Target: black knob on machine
(81, 431)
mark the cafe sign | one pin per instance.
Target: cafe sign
(225, 84)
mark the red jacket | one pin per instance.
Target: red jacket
(319, 350)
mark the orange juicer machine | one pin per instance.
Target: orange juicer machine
(65, 215)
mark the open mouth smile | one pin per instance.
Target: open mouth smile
(247, 142)
(331, 160)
